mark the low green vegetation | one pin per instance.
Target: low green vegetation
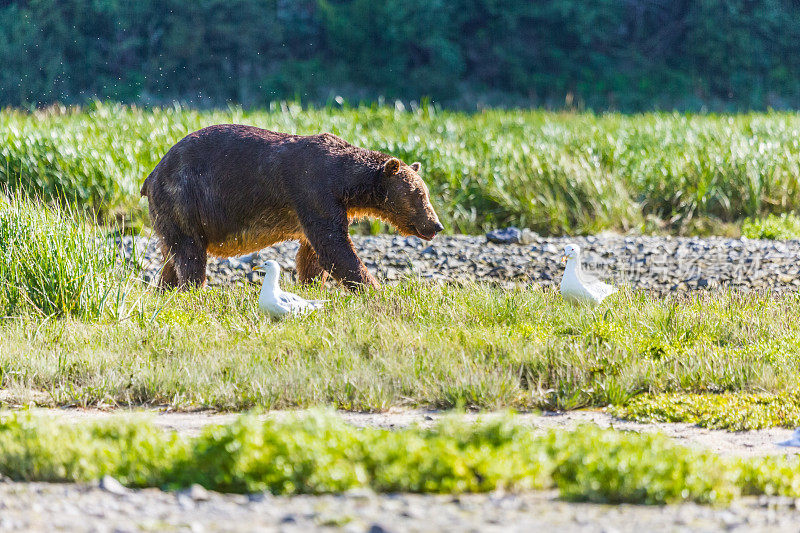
(319, 453)
(553, 172)
(414, 344)
(735, 412)
(53, 263)
(784, 226)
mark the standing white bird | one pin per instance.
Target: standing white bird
(277, 303)
(578, 286)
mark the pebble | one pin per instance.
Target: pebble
(656, 264)
(81, 508)
(197, 493)
(112, 486)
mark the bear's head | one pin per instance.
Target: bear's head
(407, 204)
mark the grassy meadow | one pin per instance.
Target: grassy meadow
(411, 345)
(553, 172)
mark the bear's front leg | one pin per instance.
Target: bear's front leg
(308, 267)
(329, 238)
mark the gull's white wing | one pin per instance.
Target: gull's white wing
(298, 304)
(274, 306)
(295, 299)
(603, 288)
(590, 279)
(598, 288)
(317, 304)
(585, 288)
(289, 297)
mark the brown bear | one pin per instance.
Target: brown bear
(233, 189)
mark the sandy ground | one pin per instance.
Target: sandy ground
(745, 443)
(91, 508)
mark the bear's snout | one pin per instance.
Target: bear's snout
(428, 232)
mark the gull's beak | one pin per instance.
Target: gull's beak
(258, 268)
(563, 259)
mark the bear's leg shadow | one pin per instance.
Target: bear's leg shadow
(308, 267)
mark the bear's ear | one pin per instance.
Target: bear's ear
(391, 166)
(416, 166)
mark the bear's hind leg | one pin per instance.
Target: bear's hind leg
(169, 277)
(308, 267)
(190, 263)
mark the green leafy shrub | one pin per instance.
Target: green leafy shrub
(308, 455)
(318, 453)
(770, 476)
(779, 227)
(53, 263)
(736, 412)
(34, 448)
(606, 466)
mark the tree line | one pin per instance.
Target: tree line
(626, 55)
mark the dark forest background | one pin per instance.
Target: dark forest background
(626, 55)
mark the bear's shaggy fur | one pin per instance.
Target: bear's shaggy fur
(233, 189)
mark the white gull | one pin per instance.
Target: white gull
(579, 286)
(277, 303)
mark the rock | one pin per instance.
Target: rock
(528, 236)
(360, 493)
(430, 250)
(552, 249)
(112, 486)
(197, 493)
(249, 258)
(260, 496)
(184, 501)
(509, 235)
(74, 507)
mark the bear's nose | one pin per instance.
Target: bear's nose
(438, 227)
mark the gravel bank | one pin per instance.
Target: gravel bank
(109, 507)
(660, 264)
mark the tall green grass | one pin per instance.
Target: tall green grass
(784, 226)
(553, 172)
(54, 263)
